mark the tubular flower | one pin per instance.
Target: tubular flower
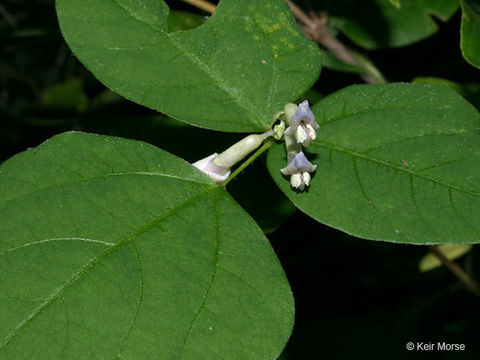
(208, 166)
(299, 169)
(303, 125)
(217, 166)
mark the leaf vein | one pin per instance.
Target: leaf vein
(360, 184)
(212, 278)
(207, 70)
(79, 181)
(39, 242)
(344, 115)
(399, 141)
(394, 167)
(140, 298)
(58, 292)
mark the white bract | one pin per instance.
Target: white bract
(299, 169)
(302, 123)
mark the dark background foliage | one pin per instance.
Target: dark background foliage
(354, 298)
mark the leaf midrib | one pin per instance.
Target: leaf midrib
(387, 164)
(59, 291)
(203, 66)
(79, 181)
(345, 116)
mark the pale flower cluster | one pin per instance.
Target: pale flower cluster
(301, 130)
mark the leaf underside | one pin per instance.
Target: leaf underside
(397, 162)
(113, 248)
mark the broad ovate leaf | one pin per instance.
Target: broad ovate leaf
(397, 162)
(470, 32)
(233, 73)
(112, 248)
(470, 91)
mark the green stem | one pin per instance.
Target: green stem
(266, 145)
(370, 68)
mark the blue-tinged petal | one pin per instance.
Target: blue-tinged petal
(305, 115)
(299, 164)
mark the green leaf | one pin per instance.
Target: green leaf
(330, 61)
(232, 73)
(311, 95)
(253, 190)
(182, 20)
(470, 91)
(261, 198)
(113, 248)
(470, 32)
(377, 24)
(398, 162)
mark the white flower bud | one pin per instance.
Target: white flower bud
(312, 133)
(289, 110)
(306, 178)
(296, 181)
(238, 151)
(300, 134)
(218, 166)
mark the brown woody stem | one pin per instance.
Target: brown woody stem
(202, 4)
(456, 270)
(316, 28)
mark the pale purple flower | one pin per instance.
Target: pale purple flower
(303, 125)
(299, 169)
(218, 166)
(208, 166)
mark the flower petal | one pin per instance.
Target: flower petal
(208, 166)
(305, 115)
(299, 164)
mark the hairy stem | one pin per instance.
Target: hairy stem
(266, 145)
(456, 270)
